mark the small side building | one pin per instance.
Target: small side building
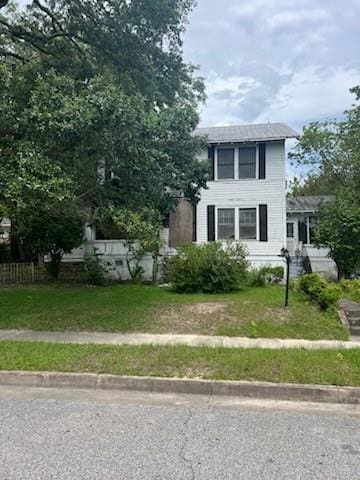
(300, 231)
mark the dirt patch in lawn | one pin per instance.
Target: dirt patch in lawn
(214, 318)
(196, 318)
(277, 315)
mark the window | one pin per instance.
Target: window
(247, 162)
(247, 223)
(226, 223)
(290, 230)
(225, 163)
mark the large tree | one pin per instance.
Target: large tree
(39, 200)
(339, 230)
(100, 90)
(331, 152)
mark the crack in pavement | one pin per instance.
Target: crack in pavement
(182, 455)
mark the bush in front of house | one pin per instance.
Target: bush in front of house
(259, 277)
(94, 270)
(255, 278)
(208, 268)
(319, 290)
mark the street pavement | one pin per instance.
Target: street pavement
(80, 434)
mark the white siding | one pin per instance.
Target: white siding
(249, 194)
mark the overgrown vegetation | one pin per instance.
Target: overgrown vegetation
(319, 290)
(94, 270)
(251, 312)
(208, 268)
(320, 367)
(259, 277)
(351, 289)
(141, 231)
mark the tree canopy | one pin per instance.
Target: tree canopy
(100, 91)
(331, 151)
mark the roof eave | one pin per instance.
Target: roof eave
(249, 140)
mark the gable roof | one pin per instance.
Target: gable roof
(306, 204)
(247, 133)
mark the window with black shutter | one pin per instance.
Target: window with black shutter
(211, 223)
(262, 161)
(226, 223)
(263, 214)
(225, 163)
(247, 162)
(247, 223)
(211, 159)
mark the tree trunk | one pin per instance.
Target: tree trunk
(340, 270)
(155, 268)
(53, 267)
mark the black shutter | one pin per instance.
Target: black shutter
(211, 223)
(263, 213)
(303, 236)
(262, 161)
(194, 236)
(211, 157)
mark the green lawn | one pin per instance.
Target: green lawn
(325, 367)
(253, 312)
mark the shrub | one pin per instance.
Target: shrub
(319, 290)
(208, 268)
(273, 274)
(351, 286)
(256, 278)
(276, 272)
(94, 270)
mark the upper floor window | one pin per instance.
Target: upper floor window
(225, 163)
(247, 223)
(226, 223)
(247, 162)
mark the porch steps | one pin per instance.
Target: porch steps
(352, 312)
(296, 268)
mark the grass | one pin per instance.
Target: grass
(253, 312)
(325, 367)
(354, 296)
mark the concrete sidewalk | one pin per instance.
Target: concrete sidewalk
(104, 338)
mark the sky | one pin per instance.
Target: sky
(289, 61)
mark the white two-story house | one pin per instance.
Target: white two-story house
(245, 199)
(246, 195)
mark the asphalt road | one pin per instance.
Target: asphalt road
(76, 435)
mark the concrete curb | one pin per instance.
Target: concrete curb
(264, 390)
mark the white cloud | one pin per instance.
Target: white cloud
(296, 18)
(226, 94)
(312, 94)
(287, 60)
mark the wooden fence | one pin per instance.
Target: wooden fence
(17, 273)
(24, 273)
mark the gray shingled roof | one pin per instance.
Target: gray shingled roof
(306, 204)
(248, 133)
